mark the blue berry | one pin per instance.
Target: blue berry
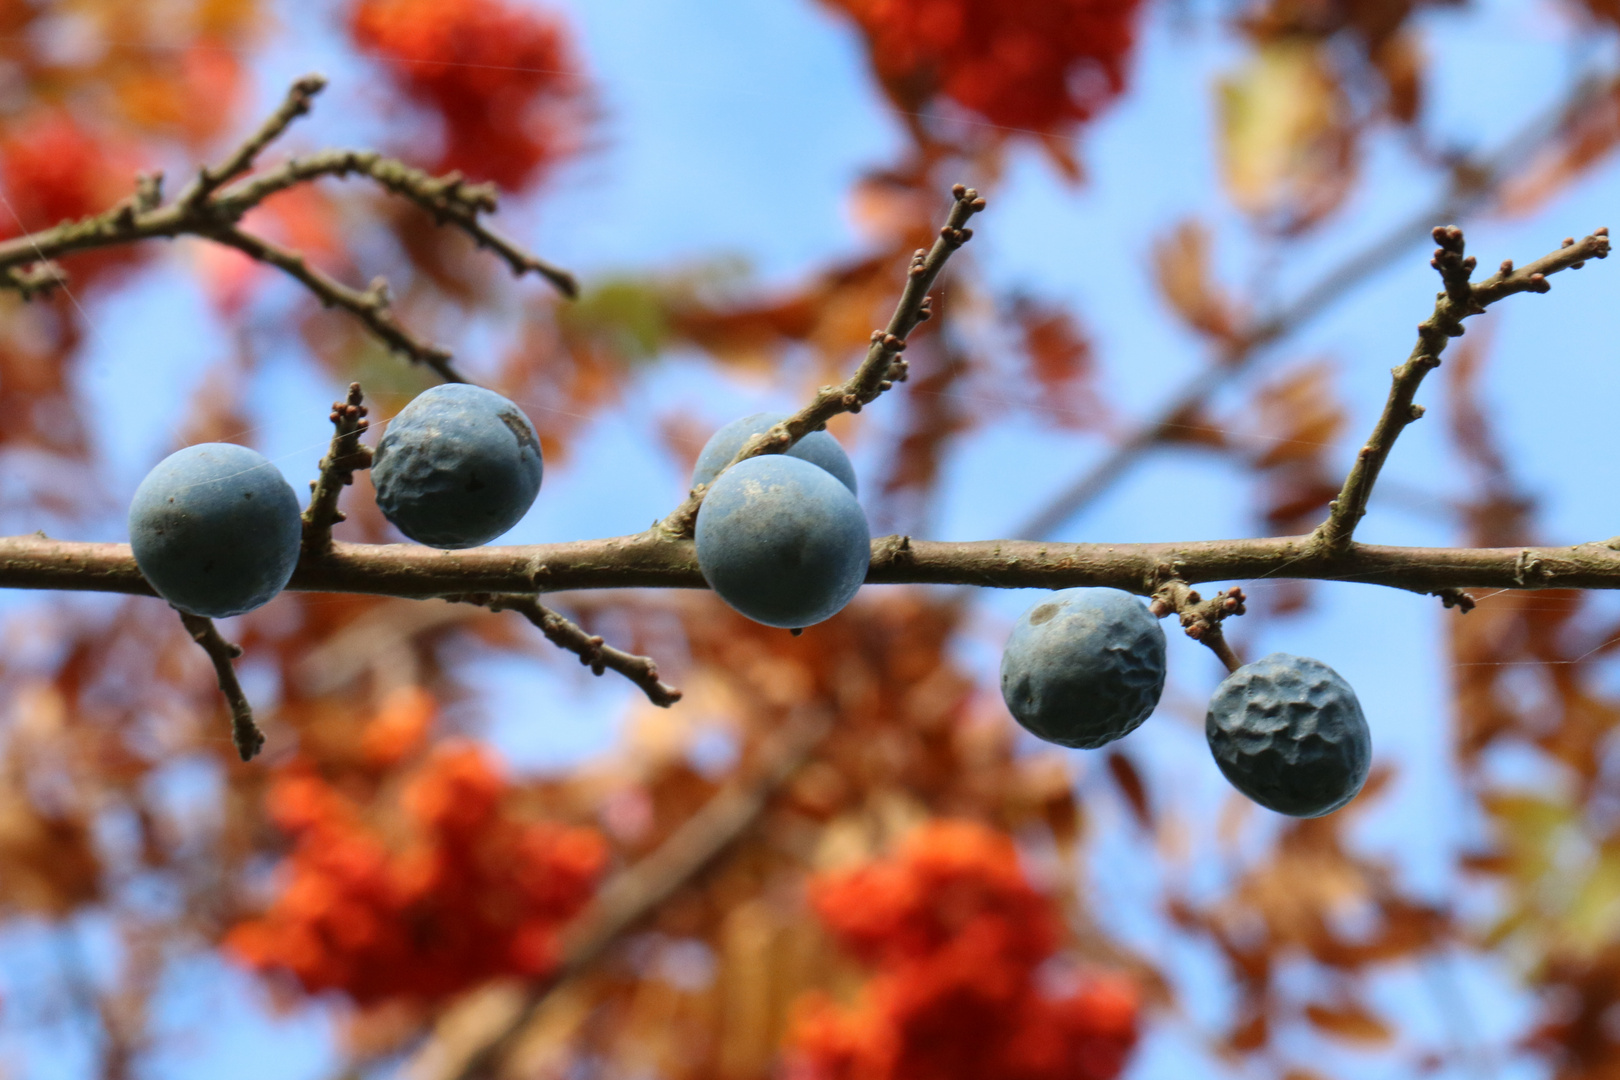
(1288, 732)
(459, 466)
(1084, 667)
(215, 529)
(818, 448)
(782, 541)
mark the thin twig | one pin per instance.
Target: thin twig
(1474, 180)
(448, 198)
(882, 366)
(245, 732)
(592, 651)
(1458, 300)
(630, 897)
(371, 307)
(1200, 618)
(343, 459)
(210, 179)
(212, 207)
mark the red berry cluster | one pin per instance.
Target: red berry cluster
(472, 895)
(1035, 64)
(959, 939)
(502, 79)
(53, 169)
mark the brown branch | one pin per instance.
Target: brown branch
(449, 199)
(371, 306)
(634, 894)
(1200, 618)
(651, 561)
(1459, 299)
(343, 458)
(245, 732)
(210, 179)
(212, 207)
(590, 648)
(1473, 181)
(882, 366)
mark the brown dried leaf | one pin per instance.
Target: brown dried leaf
(1585, 139)
(1131, 785)
(1296, 417)
(1061, 363)
(1181, 268)
(1350, 1021)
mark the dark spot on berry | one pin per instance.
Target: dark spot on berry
(519, 427)
(1042, 614)
(475, 484)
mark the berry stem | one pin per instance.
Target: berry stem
(1201, 619)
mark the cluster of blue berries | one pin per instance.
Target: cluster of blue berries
(216, 529)
(1087, 666)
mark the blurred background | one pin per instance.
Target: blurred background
(1205, 248)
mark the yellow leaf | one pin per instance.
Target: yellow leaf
(1286, 145)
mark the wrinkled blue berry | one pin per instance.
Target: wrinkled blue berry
(459, 466)
(1084, 667)
(215, 529)
(818, 448)
(782, 541)
(1288, 732)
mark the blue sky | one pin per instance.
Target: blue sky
(739, 131)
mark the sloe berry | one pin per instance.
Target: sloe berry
(782, 541)
(215, 529)
(818, 448)
(1288, 732)
(1084, 667)
(459, 466)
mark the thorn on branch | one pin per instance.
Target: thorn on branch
(245, 731)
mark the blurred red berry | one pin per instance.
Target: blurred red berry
(1039, 65)
(503, 80)
(957, 935)
(472, 895)
(53, 169)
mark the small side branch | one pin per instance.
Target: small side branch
(214, 204)
(1459, 299)
(449, 199)
(1200, 618)
(371, 306)
(343, 459)
(592, 651)
(883, 366)
(210, 179)
(245, 731)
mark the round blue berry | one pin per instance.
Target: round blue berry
(459, 466)
(818, 448)
(1084, 667)
(1288, 732)
(782, 541)
(215, 529)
